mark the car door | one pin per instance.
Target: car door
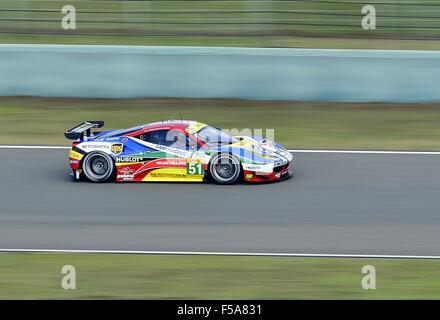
(174, 153)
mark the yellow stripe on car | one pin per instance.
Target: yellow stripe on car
(172, 174)
(75, 155)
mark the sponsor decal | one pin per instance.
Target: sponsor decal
(171, 174)
(106, 139)
(162, 163)
(174, 151)
(131, 159)
(158, 128)
(249, 176)
(171, 121)
(116, 148)
(125, 177)
(75, 155)
(172, 162)
(167, 175)
(253, 167)
(94, 146)
(126, 174)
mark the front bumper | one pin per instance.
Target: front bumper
(278, 174)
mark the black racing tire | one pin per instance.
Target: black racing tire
(98, 167)
(224, 168)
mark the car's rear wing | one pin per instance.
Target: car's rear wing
(83, 130)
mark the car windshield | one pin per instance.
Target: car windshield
(213, 136)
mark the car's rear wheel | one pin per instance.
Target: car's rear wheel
(98, 166)
(225, 168)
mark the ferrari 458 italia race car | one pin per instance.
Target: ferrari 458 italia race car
(174, 150)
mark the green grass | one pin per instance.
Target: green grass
(262, 41)
(296, 124)
(38, 276)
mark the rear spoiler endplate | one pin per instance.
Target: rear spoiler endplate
(83, 130)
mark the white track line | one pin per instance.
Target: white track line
(240, 254)
(262, 254)
(290, 150)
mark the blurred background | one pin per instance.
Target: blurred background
(314, 99)
(264, 23)
(402, 84)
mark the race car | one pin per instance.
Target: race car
(174, 150)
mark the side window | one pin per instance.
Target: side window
(170, 138)
(176, 139)
(156, 137)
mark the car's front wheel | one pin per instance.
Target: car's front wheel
(98, 166)
(225, 168)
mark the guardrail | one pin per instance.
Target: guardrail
(208, 72)
(221, 18)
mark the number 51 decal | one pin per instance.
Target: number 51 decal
(194, 168)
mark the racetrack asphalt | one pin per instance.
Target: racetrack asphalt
(335, 203)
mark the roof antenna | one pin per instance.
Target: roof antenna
(160, 111)
(180, 115)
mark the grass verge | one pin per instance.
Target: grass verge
(238, 41)
(108, 276)
(296, 124)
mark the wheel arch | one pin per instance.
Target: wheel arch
(209, 174)
(112, 157)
